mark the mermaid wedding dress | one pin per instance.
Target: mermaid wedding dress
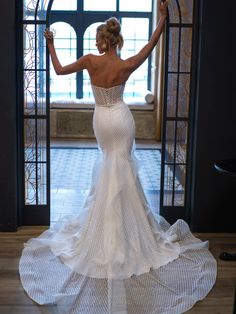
(117, 256)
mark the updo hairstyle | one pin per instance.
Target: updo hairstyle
(110, 31)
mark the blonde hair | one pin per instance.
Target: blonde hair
(111, 31)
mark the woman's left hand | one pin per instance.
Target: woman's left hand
(163, 8)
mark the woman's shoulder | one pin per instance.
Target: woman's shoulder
(93, 56)
(94, 59)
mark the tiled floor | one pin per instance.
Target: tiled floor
(71, 170)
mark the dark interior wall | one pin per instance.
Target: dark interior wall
(8, 160)
(214, 206)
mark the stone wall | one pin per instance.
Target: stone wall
(74, 123)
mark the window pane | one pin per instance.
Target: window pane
(64, 86)
(89, 47)
(104, 5)
(29, 9)
(90, 39)
(64, 5)
(136, 34)
(136, 6)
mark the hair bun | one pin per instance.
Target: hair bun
(110, 30)
(113, 26)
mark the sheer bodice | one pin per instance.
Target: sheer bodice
(108, 96)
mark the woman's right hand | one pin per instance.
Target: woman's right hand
(49, 35)
(163, 8)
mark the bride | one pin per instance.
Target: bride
(116, 256)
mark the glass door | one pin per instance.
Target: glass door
(36, 209)
(176, 128)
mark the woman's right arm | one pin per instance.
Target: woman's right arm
(79, 65)
(134, 62)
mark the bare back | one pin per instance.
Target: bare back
(107, 71)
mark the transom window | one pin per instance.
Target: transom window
(75, 22)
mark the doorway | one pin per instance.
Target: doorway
(177, 112)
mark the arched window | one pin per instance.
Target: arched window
(64, 86)
(89, 47)
(70, 5)
(136, 33)
(84, 16)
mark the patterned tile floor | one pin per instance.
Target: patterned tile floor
(71, 170)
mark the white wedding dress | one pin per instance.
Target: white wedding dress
(117, 256)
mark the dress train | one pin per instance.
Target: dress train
(117, 256)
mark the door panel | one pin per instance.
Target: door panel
(176, 126)
(36, 209)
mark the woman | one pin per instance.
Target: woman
(116, 256)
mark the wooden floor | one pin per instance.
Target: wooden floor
(14, 300)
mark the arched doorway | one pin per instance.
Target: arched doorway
(177, 112)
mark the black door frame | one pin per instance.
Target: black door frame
(172, 211)
(40, 214)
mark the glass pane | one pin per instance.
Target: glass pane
(173, 49)
(90, 39)
(41, 91)
(41, 47)
(30, 183)
(29, 46)
(136, 33)
(135, 28)
(171, 95)
(136, 6)
(42, 9)
(168, 185)
(42, 140)
(30, 50)
(181, 145)
(170, 141)
(87, 91)
(89, 47)
(29, 92)
(180, 175)
(186, 50)
(186, 11)
(29, 140)
(104, 5)
(30, 158)
(68, 5)
(29, 7)
(173, 12)
(42, 184)
(62, 87)
(184, 92)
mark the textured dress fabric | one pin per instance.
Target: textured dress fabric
(117, 256)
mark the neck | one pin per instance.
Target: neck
(111, 52)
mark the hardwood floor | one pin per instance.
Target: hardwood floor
(14, 300)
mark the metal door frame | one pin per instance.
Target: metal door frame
(181, 20)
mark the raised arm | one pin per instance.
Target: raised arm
(134, 62)
(81, 64)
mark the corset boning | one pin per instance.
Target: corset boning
(108, 97)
